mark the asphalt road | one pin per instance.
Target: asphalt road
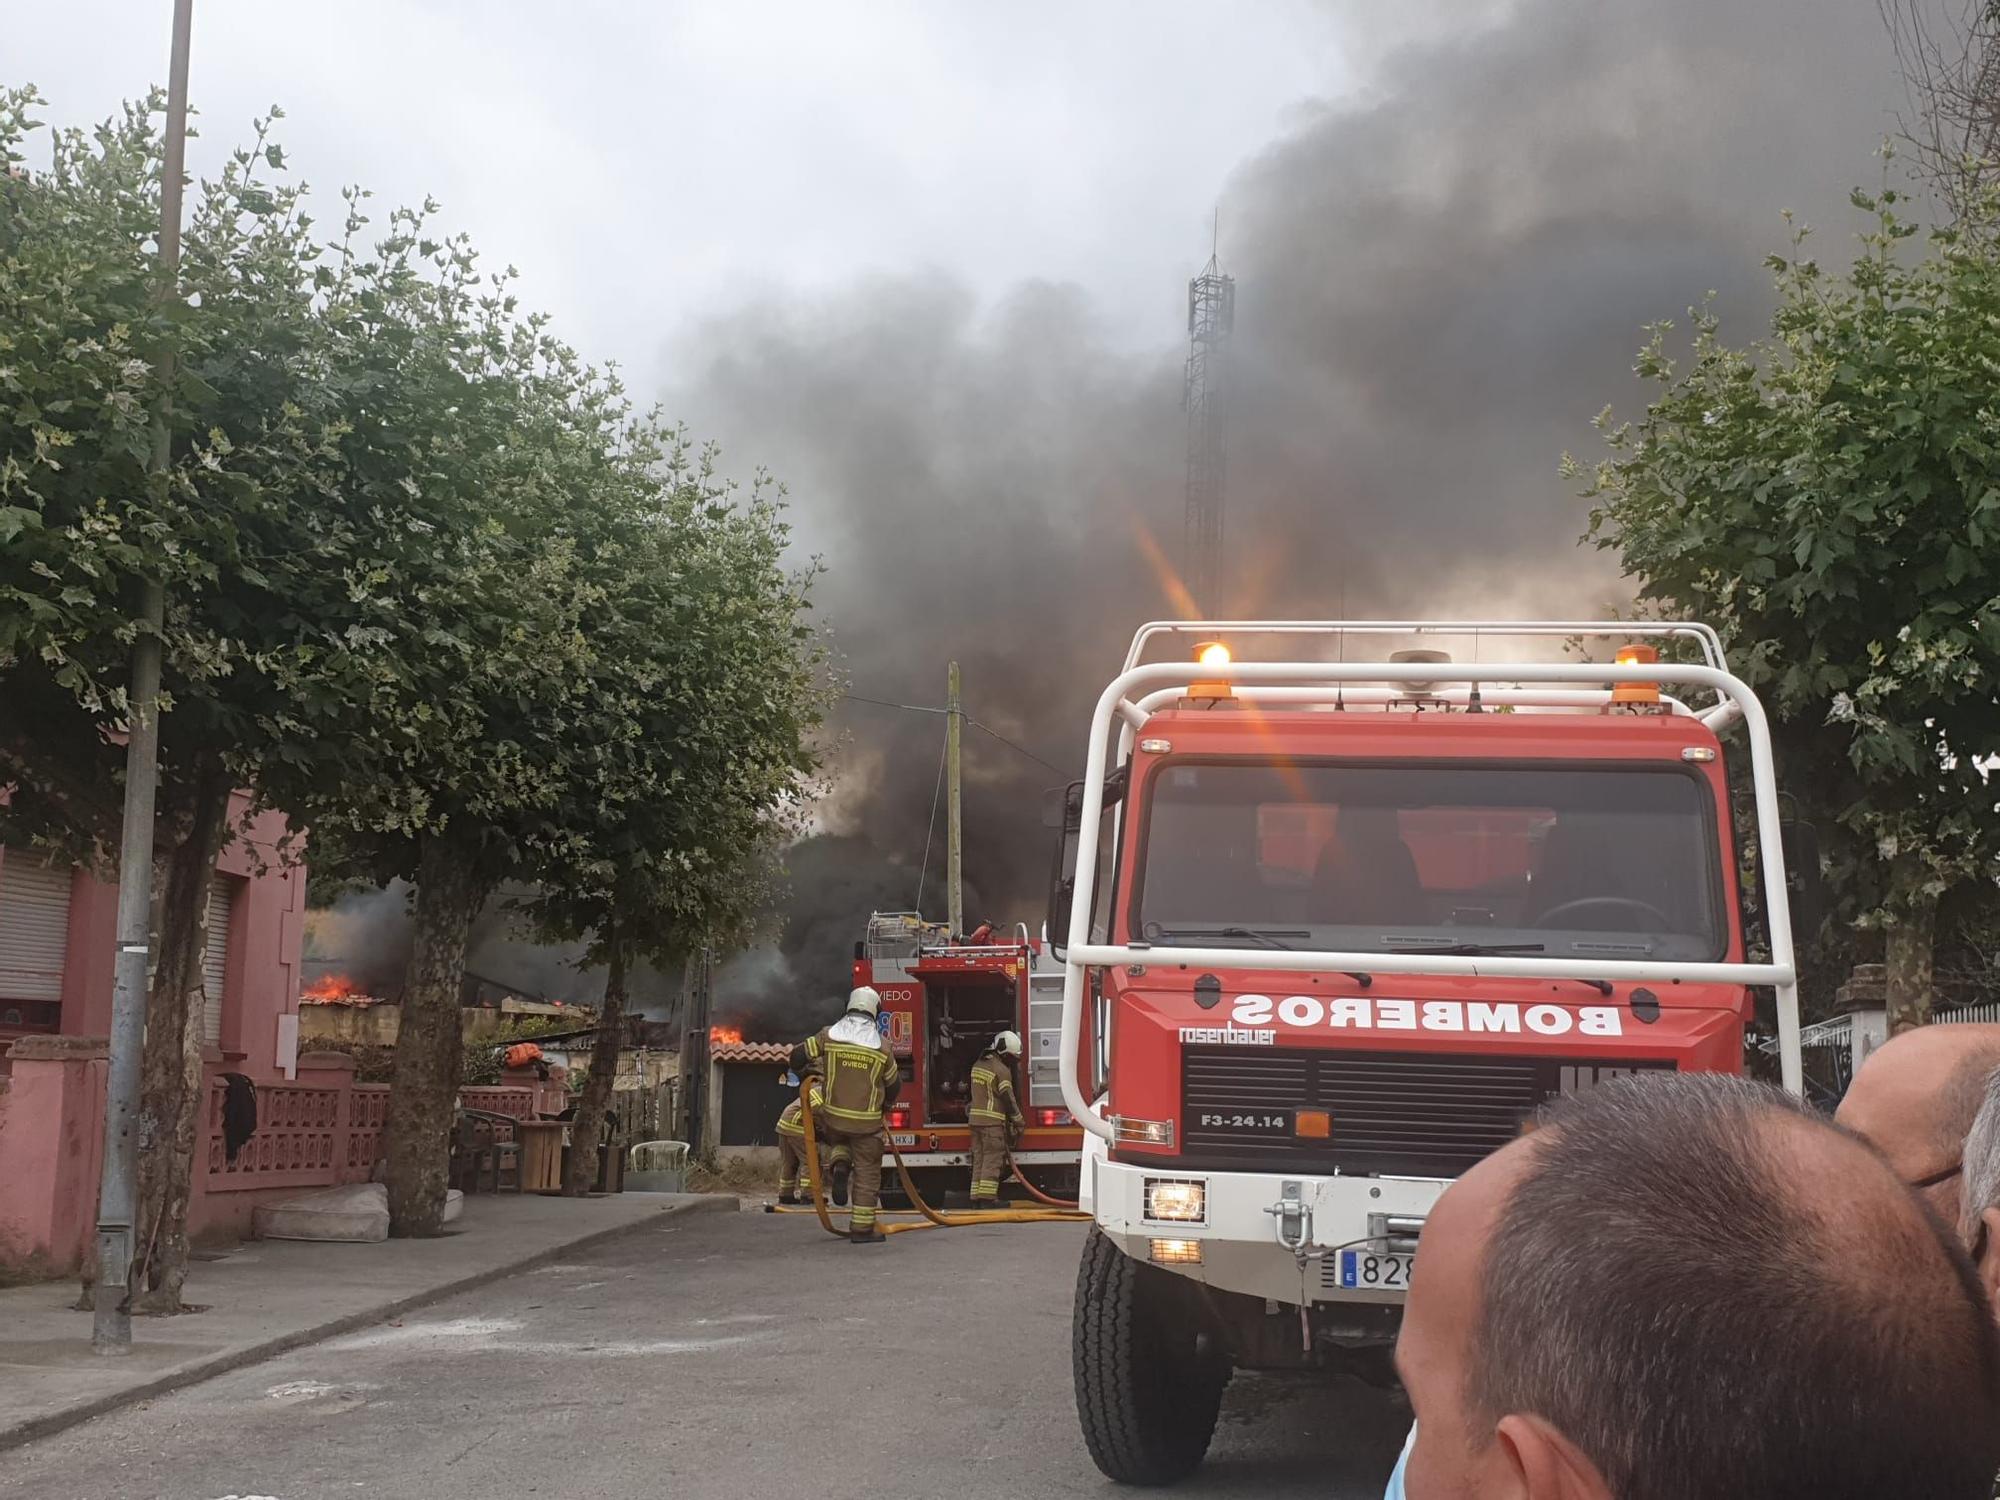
(716, 1356)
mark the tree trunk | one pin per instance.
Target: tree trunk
(171, 1094)
(587, 1127)
(423, 1094)
(1907, 943)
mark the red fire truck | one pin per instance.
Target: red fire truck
(942, 1005)
(1347, 926)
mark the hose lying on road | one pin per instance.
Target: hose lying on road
(933, 1219)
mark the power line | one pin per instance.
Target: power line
(922, 708)
(914, 708)
(1017, 749)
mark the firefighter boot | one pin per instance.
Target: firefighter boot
(839, 1191)
(789, 1198)
(869, 1236)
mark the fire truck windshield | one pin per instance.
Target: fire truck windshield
(1608, 862)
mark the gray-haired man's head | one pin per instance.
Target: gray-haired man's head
(1688, 1288)
(1979, 1210)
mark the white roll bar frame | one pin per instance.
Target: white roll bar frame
(1383, 697)
(1117, 702)
(1627, 630)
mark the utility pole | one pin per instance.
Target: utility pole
(954, 895)
(694, 1052)
(111, 1326)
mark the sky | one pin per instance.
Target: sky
(927, 263)
(646, 164)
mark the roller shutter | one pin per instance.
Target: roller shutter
(222, 891)
(34, 928)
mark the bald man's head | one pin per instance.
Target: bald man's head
(1710, 1292)
(1915, 1099)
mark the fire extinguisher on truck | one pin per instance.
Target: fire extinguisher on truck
(1332, 932)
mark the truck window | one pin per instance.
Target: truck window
(1583, 861)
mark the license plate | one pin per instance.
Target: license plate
(902, 1140)
(1386, 1273)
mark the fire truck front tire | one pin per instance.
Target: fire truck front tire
(1148, 1386)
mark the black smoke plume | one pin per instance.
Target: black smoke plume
(1441, 281)
(790, 990)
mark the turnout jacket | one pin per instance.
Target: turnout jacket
(858, 1076)
(993, 1101)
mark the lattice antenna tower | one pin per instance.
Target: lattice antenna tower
(1211, 318)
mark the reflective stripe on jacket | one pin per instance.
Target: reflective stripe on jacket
(993, 1100)
(791, 1121)
(859, 1074)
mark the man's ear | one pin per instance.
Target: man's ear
(1989, 1256)
(1544, 1464)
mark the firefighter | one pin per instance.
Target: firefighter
(794, 1185)
(858, 1080)
(997, 1121)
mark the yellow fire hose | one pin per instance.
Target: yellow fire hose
(933, 1219)
(1036, 1193)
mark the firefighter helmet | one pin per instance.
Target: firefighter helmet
(1008, 1042)
(866, 1000)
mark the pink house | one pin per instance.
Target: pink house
(57, 933)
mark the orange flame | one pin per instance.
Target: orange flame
(330, 987)
(726, 1035)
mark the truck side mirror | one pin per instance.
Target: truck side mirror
(1062, 809)
(1806, 888)
(1059, 899)
(1062, 871)
(1054, 800)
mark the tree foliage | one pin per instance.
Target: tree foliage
(88, 511)
(1829, 497)
(437, 591)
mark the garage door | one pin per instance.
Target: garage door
(34, 928)
(222, 891)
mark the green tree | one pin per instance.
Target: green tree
(624, 666)
(83, 320)
(1829, 498)
(431, 588)
(708, 695)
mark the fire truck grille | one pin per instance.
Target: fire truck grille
(1393, 1113)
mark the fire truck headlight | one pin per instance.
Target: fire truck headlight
(1175, 1200)
(1176, 1252)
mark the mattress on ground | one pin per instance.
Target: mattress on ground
(355, 1214)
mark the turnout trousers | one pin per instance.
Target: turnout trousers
(792, 1175)
(862, 1146)
(989, 1160)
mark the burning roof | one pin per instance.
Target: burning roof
(336, 989)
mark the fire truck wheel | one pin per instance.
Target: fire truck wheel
(1147, 1390)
